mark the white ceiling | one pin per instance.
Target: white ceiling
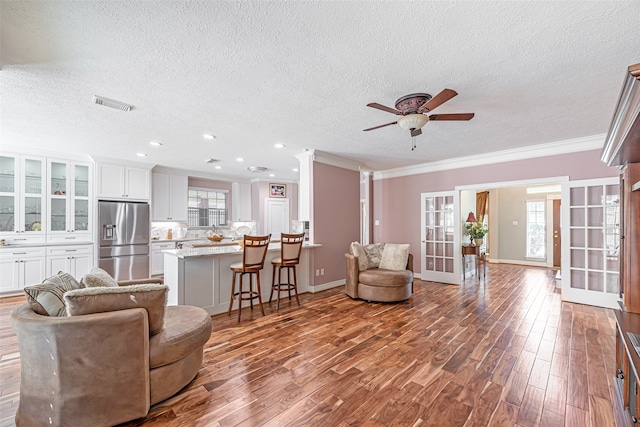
(256, 73)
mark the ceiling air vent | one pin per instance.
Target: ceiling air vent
(211, 161)
(256, 169)
(101, 100)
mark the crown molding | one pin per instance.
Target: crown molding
(26, 151)
(574, 145)
(333, 160)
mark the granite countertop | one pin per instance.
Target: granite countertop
(221, 250)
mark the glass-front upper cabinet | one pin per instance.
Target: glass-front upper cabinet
(69, 207)
(22, 198)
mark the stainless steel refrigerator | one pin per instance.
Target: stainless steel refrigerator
(124, 239)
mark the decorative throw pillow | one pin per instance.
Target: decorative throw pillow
(374, 253)
(394, 257)
(97, 277)
(152, 297)
(358, 252)
(46, 298)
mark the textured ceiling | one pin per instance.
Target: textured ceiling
(301, 73)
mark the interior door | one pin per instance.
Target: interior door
(276, 217)
(441, 254)
(591, 232)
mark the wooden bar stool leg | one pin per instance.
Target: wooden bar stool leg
(289, 281)
(259, 293)
(240, 297)
(251, 290)
(295, 284)
(278, 288)
(273, 283)
(233, 289)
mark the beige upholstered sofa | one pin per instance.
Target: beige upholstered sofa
(378, 284)
(104, 368)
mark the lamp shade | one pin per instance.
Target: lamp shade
(471, 217)
(413, 121)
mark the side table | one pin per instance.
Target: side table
(474, 250)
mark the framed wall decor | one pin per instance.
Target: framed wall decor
(277, 190)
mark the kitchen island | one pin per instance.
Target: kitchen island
(202, 276)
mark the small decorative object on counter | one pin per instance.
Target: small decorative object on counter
(215, 237)
(169, 235)
(2, 242)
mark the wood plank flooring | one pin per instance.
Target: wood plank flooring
(500, 352)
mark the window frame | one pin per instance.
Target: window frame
(539, 213)
(217, 191)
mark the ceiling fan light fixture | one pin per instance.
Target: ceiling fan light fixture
(413, 121)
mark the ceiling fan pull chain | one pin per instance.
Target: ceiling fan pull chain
(413, 143)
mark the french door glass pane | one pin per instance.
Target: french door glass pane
(595, 237)
(439, 233)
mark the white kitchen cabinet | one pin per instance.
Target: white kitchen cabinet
(76, 260)
(121, 182)
(241, 201)
(20, 267)
(22, 199)
(170, 197)
(69, 204)
(157, 257)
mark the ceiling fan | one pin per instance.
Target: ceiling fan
(413, 109)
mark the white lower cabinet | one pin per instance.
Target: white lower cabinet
(75, 260)
(157, 257)
(20, 267)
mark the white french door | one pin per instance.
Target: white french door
(591, 242)
(440, 235)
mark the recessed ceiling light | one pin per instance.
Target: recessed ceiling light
(295, 169)
(240, 159)
(279, 145)
(141, 155)
(217, 167)
(272, 175)
(208, 136)
(155, 143)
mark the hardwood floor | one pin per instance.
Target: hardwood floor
(501, 353)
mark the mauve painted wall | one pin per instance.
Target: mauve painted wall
(260, 191)
(396, 201)
(336, 222)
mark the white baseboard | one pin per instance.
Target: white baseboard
(519, 262)
(325, 286)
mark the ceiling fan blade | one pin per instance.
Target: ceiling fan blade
(438, 100)
(384, 108)
(416, 132)
(381, 126)
(454, 116)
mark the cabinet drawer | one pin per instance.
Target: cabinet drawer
(157, 247)
(21, 239)
(70, 237)
(69, 250)
(22, 252)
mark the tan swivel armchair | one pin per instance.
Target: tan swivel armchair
(377, 284)
(104, 369)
